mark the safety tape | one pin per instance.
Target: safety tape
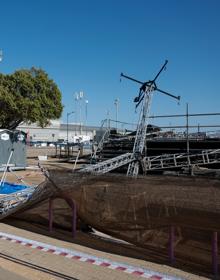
(76, 255)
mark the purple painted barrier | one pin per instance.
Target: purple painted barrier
(215, 253)
(50, 215)
(72, 205)
(171, 244)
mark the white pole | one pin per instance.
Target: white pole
(86, 114)
(116, 106)
(76, 110)
(80, 109)
(108, 119)
(6, 167)
(77, 157)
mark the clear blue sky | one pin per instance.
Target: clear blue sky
(85, 45)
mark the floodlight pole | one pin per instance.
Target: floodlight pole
(86, 111)
(76, 101)
(67, 130)
(116, 106)
(81, 95)
(187, 132)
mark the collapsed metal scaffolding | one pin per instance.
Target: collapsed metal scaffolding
(182, 160)
(137, 157)
(144, 98)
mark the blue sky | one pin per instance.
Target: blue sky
(85, 45)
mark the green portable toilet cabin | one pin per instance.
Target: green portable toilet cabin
(12, 142)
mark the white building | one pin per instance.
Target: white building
(58, 131)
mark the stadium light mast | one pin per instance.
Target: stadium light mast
(116, 103)
(67, 131)
(86, 113)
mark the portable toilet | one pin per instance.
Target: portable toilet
(12, 148)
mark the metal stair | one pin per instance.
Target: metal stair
(100, 144)
(105, 136)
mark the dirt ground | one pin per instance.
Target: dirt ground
(195, 257)
(96, 245)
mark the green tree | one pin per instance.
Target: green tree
(28, 96)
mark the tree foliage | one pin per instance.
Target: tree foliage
(28, 96)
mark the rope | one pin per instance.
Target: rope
(18, 177)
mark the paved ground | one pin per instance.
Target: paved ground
(19, 262)
(9, 270)
(5, 274)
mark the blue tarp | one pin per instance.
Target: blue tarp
(8, 188)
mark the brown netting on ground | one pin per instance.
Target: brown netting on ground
(139, 210)
(123, 203)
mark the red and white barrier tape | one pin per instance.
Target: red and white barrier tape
(76, 255)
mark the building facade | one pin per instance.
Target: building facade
(58, 131)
